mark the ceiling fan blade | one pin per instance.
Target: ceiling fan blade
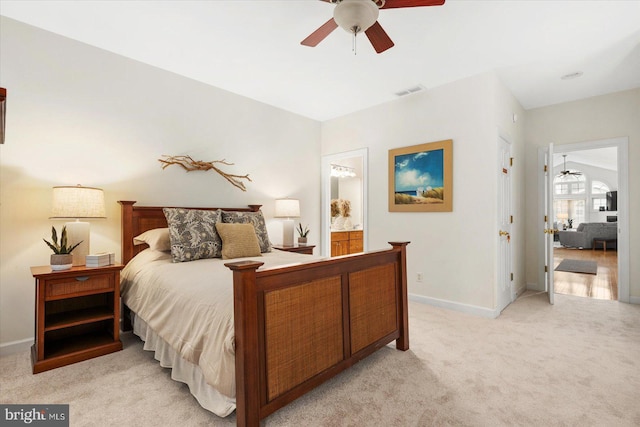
(394, 4)
(379, 38)
(318, 35)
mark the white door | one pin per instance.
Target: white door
(505, 219)
(548, 226)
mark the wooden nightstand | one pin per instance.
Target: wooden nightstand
(77, 315)
(301, 249)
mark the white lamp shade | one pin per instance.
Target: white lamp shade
(287, 208)
(77, 202)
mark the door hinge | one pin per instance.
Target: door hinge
(512, 277)
(511, 219)
(546, 269)
(545, 218)
(545, 168)
(510, 161)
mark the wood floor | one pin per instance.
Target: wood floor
(603, 285)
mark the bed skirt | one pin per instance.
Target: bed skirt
(183, 370)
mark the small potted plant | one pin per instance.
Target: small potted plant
(302, 232)
(61, 259)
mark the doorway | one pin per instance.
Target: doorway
(587, 209)
(587, 223)
(504, 291)
(351, 187)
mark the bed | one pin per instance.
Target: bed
(296, 320)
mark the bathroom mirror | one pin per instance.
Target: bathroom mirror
(344, 187)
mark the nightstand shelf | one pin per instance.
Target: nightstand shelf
(77, 315)
(80, 345)
(301, 249)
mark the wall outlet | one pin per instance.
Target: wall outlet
(419, 277)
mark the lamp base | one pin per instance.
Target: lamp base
(78, 231)
(287, 232)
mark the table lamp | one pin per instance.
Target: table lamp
(78, 203)
(562, 217)
(287, 208)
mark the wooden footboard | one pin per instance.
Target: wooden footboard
(298, 326)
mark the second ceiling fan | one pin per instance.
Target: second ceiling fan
(356, 16)
(565, 171)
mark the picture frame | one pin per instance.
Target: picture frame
(3, 112)
(421, 178)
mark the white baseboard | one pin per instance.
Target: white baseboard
(15, 347)
(456, 306)
(534, 287)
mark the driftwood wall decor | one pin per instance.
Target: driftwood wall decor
(190, 165)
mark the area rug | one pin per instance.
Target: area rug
(578, 266)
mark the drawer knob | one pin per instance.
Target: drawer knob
(82, 278)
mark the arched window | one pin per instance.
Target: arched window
(598, 187)
(569, 198)
(569, 184)
(599, 195)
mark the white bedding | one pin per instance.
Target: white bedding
(189, 305)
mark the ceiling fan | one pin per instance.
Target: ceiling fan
(356, 16)
(566, 171)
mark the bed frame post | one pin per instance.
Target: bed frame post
(402, 343)
(245, 305)
(127, 230)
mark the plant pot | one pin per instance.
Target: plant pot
(302, 240)
(61, 262)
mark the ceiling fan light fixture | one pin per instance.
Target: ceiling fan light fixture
(355, 16)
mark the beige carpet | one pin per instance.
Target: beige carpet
(573, 364)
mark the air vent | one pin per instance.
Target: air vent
(410, 90)
(572, 75)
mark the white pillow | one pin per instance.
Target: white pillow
(157, 239)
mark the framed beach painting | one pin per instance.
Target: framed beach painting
(421, 178)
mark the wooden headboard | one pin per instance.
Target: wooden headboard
(138, 219)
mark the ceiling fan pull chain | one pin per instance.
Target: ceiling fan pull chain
(354, 44)
(355, 30)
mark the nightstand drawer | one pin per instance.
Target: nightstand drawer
(81, 284)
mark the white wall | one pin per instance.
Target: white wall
(597, 118)
(456, 251)
(80, 115)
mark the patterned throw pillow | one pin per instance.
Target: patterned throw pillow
(254, 218)
(238, 240)
(193, 234)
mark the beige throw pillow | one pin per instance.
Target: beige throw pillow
(238, 240)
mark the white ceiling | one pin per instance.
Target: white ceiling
(252, 48)
(606, 158)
